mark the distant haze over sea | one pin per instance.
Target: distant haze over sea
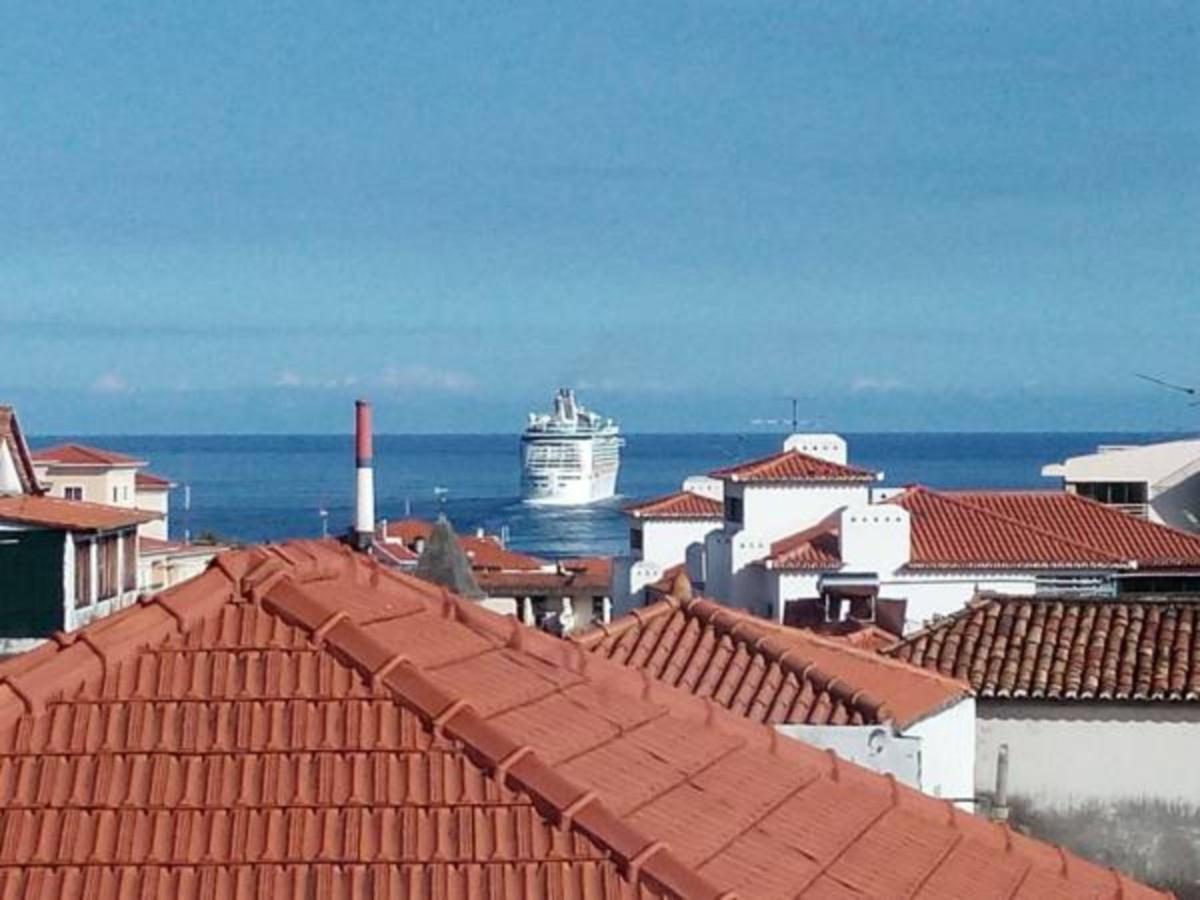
(271, 487)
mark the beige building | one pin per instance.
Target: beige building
(80, 472)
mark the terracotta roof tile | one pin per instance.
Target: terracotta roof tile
(484, 552)
(299, 721)
(792, 465)
(1151, 545)
(816, 548)
(767, 672)
(1142, 649)
(72, 515)
(148, 481)
(680, 505)
(83, 455)
(951, 532)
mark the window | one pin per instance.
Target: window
(598, 610)
(1113, 491)
(73, 492)
(83, 574)
(107, 567)
(129, 560)
(733, 510)
(635, 539)
(114, 495)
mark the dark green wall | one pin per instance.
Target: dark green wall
(31, 583)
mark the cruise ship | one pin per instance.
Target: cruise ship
(569, 457)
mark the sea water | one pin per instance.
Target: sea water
(272, 487)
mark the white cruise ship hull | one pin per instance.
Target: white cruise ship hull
(553, 489)
(569, 457)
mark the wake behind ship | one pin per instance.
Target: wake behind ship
(569, 457)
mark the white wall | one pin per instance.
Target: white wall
(1063, 753)
(942, 593)
(936, 755)
(154, 501)
(829, 447)
(666, 542)
(774, 511)
(875, 538)
(10, 479)
(948, 752)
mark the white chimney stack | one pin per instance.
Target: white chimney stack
(364, 498)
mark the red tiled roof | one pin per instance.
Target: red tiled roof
(792, 465)
(72, 515)
(953, 533)
(487, 553)
(83, 455)
(148, 481)
(680, 505)
(300, 721)
(767, 672)
(10, 434)
(1067, 648)
(816, 548)
(1109, 530)
(569, 577)
(484, 552)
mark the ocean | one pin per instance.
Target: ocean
(271, 487)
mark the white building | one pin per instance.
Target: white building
(1098, 706)
(80, 472)
(667, 534)
(807, 539)
(877, 712)
(63, 563)
(767, 500)
(1159, 482)
(921, 553)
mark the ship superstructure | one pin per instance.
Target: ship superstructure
(569, 456)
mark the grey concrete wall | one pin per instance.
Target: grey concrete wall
(1116, 782)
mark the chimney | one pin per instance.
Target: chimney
(364, 499)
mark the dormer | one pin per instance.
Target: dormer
(769, 498)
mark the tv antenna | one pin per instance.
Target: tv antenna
(794, 422)
(1170, 385)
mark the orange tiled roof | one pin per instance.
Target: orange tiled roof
(1109, 530)
(83, 455)
(949, 532)
(792, 465)
(72, 515)
(148, 481)
(680, 505)
(767, 672)
(815, 548)
(487, 553)
(1067, 648)
(483, 552)
(300, 721)
(409, 530)
(10, 434)
(569, 576)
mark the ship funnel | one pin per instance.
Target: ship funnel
(364, 485)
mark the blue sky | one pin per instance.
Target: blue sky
(236, 217)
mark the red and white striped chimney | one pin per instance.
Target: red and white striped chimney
(364, 485)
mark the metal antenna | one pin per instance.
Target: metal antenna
(794, 422)
(1170, 385)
